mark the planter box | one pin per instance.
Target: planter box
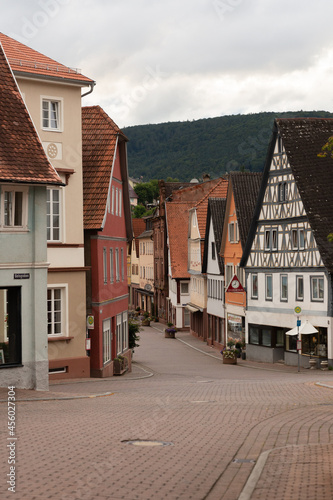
(230, 361)
(120, 367)
(169, 335)
(145, 322)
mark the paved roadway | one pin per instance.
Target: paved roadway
(250, 431)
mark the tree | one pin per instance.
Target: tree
(147, 191)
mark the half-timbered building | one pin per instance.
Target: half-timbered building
(288, 258)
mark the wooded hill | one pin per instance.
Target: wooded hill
(186, 150)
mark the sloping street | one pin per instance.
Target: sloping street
(181, 426)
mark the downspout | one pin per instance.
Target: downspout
(92, 85)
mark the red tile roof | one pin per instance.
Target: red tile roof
(99, 143)
(218, 191)
(139, 226)
(22, 157)
(177, 214)
(24, 60)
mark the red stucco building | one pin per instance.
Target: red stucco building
(108, 231)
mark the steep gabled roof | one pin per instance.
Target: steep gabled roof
(215, 216)
(26, 61)
(177, 216)
(218, 191)
(245, 186)
(22, 157)
(303, 139)
(100, 138)
(194, 192)
(139, 227)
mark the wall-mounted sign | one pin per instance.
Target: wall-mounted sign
(21, 276)
(90, 322)
(235, 285)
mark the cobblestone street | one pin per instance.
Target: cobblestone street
(205, 430)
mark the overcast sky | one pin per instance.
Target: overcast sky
(174, 60)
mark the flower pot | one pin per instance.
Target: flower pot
(169, 335)
(145, 322)
(230, 361)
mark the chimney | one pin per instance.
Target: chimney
(205, 177)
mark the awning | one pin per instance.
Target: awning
(305, 329)
(193, 309)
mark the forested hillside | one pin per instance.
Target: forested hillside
(186, 150)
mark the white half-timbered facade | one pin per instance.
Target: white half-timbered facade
(287, 257)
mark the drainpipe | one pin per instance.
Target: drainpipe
(92, 85)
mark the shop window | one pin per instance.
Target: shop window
(267, 336)
(107, 337)
(316, 343)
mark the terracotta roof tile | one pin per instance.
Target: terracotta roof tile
(218, 191)
(99, 142)
(22, 157)
(23, 59)
(177, 214)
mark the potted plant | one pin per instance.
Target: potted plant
(133, 337)
(146, 319)
(229, 356)
(170, 331)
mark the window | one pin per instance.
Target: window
(117, 265)
(117, 202)
(233, 232)
(119, 335)
(229, 273)
(112, 200)
(269, 287)
(122, 264)
(111, 266)
(284, 287)
(120, 202)
(213, 251)
(125, 331)
(55, 312)
(107, 336)
(298, 239)
(267, 336)
(282, 192)
(254, 286)
(14, 210)
(184, 288)
(270, 239)
(240, 274)
(317, 289)
(53, 214)
(299, 288)
(187, 317)
(51, 114)
(105, 267)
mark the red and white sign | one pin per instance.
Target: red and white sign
(235, 285)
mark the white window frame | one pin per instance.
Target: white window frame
(64, 308)
(298, 296)
(24, 209)
(117, 201)
(107, 341)
(187, 318)
(183, 283)
(231, 232)
(268, 277)
(117, 266)
(119, 334)
(271, 239)
(60, 104)
(122, 264)
(112, 200)
(105, 267)
(253, 277)
(229, 268)
(120, 193)
(317, 279)
(125, 331)
(283, 298)
(111, 265)
(50, 214)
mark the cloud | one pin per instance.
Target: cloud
(212, 57)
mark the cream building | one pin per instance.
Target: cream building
(52, 93)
